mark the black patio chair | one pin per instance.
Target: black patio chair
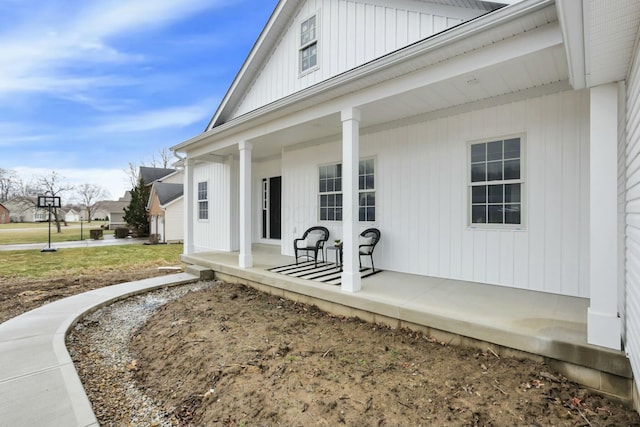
(311, 243)
(368, 240)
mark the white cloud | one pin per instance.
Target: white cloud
(41, 54)
(173, 117)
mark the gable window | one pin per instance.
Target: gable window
(308, 44)
(203, 201)
(495, 187)
(330, 191)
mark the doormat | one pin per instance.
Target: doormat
(325, 272)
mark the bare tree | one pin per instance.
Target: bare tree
(8, 184)
(90, 197)
(133, 173)
(163, 159)
(53, 185)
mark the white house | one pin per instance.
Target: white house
(166, 211)
(495, 145)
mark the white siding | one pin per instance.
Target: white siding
(214, 233)
(632, 175)
(350, 33)
(174, 221)
(421, 196)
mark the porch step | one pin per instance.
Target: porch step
(204, 273)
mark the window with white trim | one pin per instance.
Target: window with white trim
(203, 200)
(330, 191)
(495, 182)
(308, 44)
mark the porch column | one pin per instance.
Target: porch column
(350, 230)
(245, 259)
(189, 216)
(603, 323)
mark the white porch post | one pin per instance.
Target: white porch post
(189, 217)
(245, 259)
(350, 160)
(603, 323)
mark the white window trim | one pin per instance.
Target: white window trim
(523, 185)
(301, 46)
(199, 200)
(374, 190)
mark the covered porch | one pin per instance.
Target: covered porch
(508, 321)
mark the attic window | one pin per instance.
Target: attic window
(308, 44)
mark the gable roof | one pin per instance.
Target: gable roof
(150, 175)
(277, 24)
(166, 192)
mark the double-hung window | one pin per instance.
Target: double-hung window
(308, 44)
(330, 191)
(203, 200)
(496, 184)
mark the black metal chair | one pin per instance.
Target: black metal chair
(368, 240)
(311, 242)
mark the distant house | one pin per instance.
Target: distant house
(115, 210)
(166, 212)
(72, 215)
(25, 210)
(165, 203)
(4, 215)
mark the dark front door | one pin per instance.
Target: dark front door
(271, 207)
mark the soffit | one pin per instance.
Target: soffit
(611, 30)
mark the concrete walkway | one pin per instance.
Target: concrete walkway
(39, 385)
(109, 240)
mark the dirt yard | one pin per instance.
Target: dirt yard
(20, 295)
(233, 356)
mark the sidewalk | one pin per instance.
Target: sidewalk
(39, 385)
(109, 240)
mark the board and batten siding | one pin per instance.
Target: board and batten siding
(350, 33)
(214, 233)
(421, 196)
(632, 219)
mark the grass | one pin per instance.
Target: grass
(18, 233)
(77, 261)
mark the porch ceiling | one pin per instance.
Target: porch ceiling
(521, 77)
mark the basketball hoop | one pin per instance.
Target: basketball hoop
(49, 202)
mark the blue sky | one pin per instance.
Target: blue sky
(88, 86)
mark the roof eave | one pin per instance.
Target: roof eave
(571, 19)
(439, 41)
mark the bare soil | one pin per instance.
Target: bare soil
(21, 295)
(233, 356)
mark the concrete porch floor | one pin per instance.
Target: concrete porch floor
(546, 327)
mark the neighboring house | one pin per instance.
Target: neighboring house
(4, 215)
(150, 175)
(496, 148)
(72, 215)
(166, 216)
(166, 212)
(25, 210)
(115, 210)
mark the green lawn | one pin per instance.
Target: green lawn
(76, 261)
(16, 233)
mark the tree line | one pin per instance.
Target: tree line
(13, 188)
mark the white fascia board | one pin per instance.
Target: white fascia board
(571, 18)
(151, 194)
(265, 39)
(441, 41)
(166, 205)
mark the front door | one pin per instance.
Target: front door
(271, 207)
